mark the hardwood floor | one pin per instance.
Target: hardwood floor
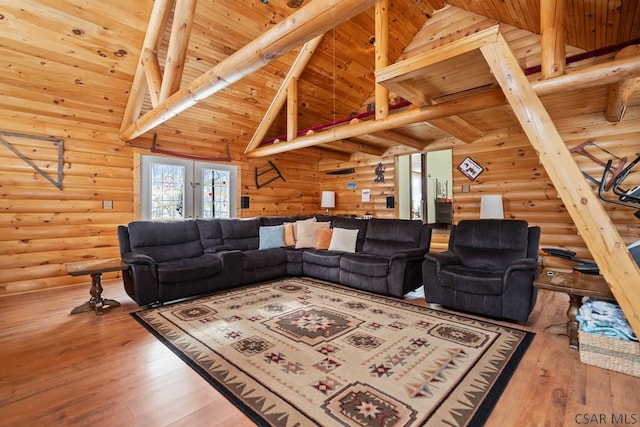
(83, 369)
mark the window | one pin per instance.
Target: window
(177, 188)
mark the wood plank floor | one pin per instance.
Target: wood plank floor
(83, 369)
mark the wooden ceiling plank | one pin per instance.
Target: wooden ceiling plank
(152, 39)
(301, 61)
(594, 224)
(398, 138)
(308, 22)
(177, 50)
(351, 147)
(620, 92)
(410, 67)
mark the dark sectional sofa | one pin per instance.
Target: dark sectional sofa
(171, 260)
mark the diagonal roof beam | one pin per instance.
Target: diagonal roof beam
(594, 224)
(298, 66)
(308, 22)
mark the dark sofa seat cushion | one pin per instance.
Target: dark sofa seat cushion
(188, 269)
(165, 241)
(464, 279)
(322, 257)
(261, 258)
(365, 264)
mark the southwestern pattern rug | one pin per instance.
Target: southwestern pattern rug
(299, 352)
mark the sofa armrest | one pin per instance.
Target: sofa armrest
(232, 266)
(134, 258)
(523, 264)
(442, 259)
(409, 253)
(219, 248)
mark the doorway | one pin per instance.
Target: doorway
(177, 188)
(425, 187)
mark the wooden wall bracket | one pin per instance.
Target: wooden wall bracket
(59, 142)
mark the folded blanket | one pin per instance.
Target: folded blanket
(602, 317)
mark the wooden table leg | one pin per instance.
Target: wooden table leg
(570, 328)
(96, 302)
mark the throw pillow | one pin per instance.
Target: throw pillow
(289, 233)
(307, 233)
(271, 237)
(343, 240)
(324, 238)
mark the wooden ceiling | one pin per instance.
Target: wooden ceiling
(73, 61)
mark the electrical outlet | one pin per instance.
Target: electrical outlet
(466, 188)
(107, 204)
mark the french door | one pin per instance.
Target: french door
(177, 188)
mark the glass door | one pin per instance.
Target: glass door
(177, 188)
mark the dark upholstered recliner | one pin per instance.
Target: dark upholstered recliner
(488, 269)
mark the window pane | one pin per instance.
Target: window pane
(167, 191)
(216, 196)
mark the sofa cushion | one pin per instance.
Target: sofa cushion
(472, 281)
(344, 240)
(324, 238)
(187, 269)
(242, 234)
(256, 259)
(323, 258)
(271, 237)
(353, 224)
(277, 220)
(307, 233)
(165, 240)
(490, 244)
(210, 232)
(289, 233)
(365, 264)
(385, 237)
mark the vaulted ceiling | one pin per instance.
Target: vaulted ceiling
(73, 61)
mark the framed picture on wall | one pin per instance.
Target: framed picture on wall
(470, 168)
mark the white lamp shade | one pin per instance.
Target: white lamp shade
(491, 207)
(328, 199)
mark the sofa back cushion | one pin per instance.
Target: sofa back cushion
(242, 234)
(386, 236)
(490, 244)
(353, 224)
(210, 232)
(165, 240)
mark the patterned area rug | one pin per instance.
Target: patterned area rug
(299, 352)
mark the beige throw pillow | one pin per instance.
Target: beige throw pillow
(343, 240)
(307, 233)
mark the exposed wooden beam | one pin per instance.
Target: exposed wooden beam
(382, 56)
(552, 40)
(351, 147)
(301, 61)
(594, 224)
(177, 50)
(308, 22)
(397, 138)
(414, 66)
(472, 103)
(153, 74)
(292, 109)
(620, 92)
(152, 39)
(595, 75)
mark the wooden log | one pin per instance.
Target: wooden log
(305, 24)
(620, 92)
(604, 242)
(153, 74)
(177, 50)
(552, 39)
(381, 56)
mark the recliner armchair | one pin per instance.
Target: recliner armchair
(488, 269)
